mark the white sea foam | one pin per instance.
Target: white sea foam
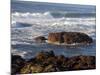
(47, 17)
(20, 53)
(44, 23)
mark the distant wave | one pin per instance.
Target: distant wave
(54, 14)
(32, 15)
(48, 17)
(60, 14)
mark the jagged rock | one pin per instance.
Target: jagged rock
(50, 68)
(81, 63)
(44, 55)
(31, 68)
(49, 62)
(69, 38)
(40, 39)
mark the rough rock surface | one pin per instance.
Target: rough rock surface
(69, 38)
(49, 62)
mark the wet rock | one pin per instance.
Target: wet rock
(81, 63)
(17, 63)
(40, 39)
(49, 62)
(44, 55)
(69, 38)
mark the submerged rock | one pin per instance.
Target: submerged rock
(40, 39)
(69, 38)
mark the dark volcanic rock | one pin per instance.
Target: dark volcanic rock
(69, 38)
(81, 63)
(42, 56)
(17, 63)
(40, 39)
(48, 62)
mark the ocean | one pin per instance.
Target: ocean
(32, 19)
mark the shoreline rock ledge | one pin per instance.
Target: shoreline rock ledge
(69, 38)
(47, 61)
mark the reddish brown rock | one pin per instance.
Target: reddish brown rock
(56, 37)
(69, 38)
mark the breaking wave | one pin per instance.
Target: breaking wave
(54, 14)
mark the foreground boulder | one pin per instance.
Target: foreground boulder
(40, 39)
(49, 62)
(69, 38)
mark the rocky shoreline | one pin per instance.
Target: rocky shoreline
(49, 62)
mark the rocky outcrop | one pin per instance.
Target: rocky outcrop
(69, 38)
(40, 39)
(49, 62)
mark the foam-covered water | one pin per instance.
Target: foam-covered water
(28, 25)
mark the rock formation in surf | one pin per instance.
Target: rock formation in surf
(69, 38)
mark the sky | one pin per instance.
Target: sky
(84, 2)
